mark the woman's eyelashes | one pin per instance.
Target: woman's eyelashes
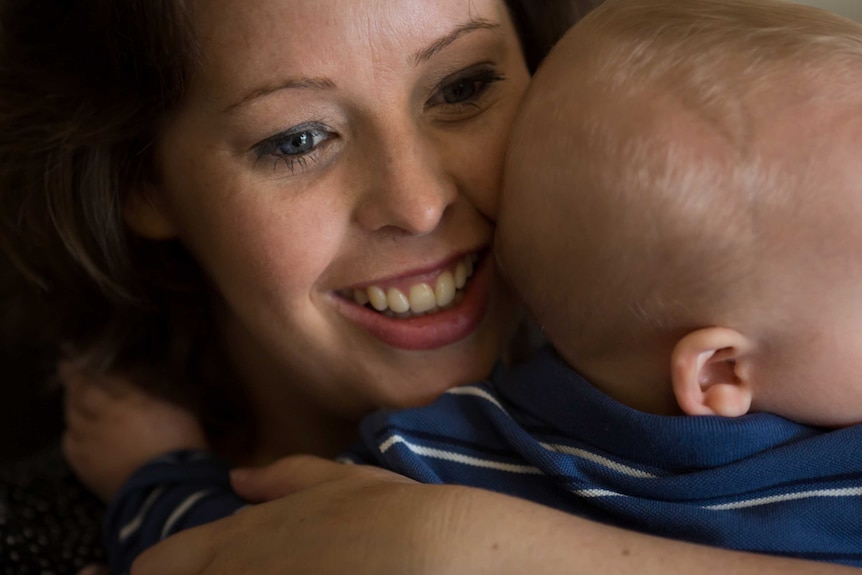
(294, 148)
(462, 95)
(457, 97)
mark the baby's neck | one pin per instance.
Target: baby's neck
(660, 400)
(642, 383)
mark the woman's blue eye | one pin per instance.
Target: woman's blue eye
(460, 91)
(465, 91)
(298, 143)
(295, 147)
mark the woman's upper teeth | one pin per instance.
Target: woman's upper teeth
(421, 297)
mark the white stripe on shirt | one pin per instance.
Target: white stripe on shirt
(129, 528)
(845, 492)
(457, 457)
(603, 461)
(475, 392)
(583, 454)
(181, 509)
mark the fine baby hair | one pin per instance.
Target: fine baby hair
(703, 185)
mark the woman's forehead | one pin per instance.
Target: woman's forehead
(249, 46)
(332, 26)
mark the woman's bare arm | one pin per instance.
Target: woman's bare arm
(331, 518)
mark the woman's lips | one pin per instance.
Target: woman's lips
(437, 326)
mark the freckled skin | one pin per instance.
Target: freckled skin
(376, 172)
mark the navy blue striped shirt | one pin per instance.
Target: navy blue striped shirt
(541, 432)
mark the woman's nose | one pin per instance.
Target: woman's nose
(408, 189)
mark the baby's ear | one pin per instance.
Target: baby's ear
(146, 217)
(709, 372)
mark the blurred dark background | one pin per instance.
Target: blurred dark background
(30, 408)
(31, 416)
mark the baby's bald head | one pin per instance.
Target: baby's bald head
(663, 167)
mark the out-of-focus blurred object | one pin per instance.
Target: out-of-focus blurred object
(30, 407)
(848, 8)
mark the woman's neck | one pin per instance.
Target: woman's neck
(285, 420)
(301, 428)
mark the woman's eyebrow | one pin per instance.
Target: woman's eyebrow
(477, 24)
(327, 84)
(289, 84)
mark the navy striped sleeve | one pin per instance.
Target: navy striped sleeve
(172, 493)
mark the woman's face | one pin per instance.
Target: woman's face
(333, 157)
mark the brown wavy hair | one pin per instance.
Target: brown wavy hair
(85, 88)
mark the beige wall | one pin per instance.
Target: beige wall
(849, 8)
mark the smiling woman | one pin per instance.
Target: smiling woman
(276, 213)
(200, 195)
(296, 171)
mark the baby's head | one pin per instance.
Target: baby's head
(683, 207)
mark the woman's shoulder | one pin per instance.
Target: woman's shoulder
(49, 523)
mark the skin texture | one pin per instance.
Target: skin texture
(337, 518)
(325, 517)
(758, 237)
(113, 428)
(390, 187)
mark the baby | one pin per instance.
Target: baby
(681, 215)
